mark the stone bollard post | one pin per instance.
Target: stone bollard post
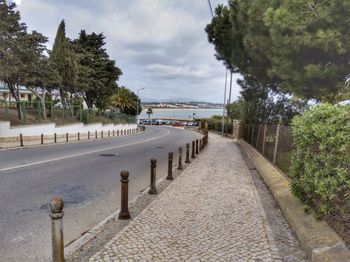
(124, 205)
(197, 147)
(42, 139)
(180, 159)
(153, 189)
(187, 153)
(56, 215)
(170, 166)
(193, 145)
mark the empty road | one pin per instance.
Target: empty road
(85, 175)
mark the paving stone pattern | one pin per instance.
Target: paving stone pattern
(212, 212)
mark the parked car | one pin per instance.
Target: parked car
(178, 124)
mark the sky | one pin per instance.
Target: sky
(160, 45)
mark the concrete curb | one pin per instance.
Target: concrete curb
(317, 238)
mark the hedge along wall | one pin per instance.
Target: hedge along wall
(320, 168)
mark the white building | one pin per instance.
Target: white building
(25, 94)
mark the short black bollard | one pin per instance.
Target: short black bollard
(180, 159)
(95, 134)
(113, 133)
(197, 147)
(170, 166)
(67, 137)
(109, 133)
(101, 134)
(56, 215)
(88, 135)
(153, 189)
(55, 138)
(124, 205)
(21, 139)
(187, 153)
(193, 145)
(78, 136)
(42, 139)
(200, 144)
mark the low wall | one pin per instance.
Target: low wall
(50, 133)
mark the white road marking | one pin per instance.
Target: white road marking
(82, 154)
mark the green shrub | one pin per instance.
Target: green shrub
(320, 164)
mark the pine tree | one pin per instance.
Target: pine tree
(64, 61)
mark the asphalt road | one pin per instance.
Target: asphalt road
(85, 175)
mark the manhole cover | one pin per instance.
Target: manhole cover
(107, 155)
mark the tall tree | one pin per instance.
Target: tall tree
(19, 51)
(98, 73)
(64, 61)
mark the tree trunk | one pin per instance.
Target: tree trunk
(15, 93)
(42, 99)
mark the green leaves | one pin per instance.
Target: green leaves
(321, 163)
(296, 46)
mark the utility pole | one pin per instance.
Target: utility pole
(223, 110)
(137, 104)
(229, 100)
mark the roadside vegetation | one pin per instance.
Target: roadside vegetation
(79, 70)
(293, 58)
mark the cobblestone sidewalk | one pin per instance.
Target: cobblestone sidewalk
(212, 212)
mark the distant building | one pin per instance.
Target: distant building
(25, 94)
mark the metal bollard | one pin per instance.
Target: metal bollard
(113, 132)
(101, 134)
(193, 145)
(95, 134)
(170, 166)
(56, 215)
(124, 205)
(88, 135)
(67, 137)
(179, 167)
(197, 147)
(153, 189)
(187, 153)
(78, 136)
(55, 138)
(109, 133)
(21, 139)
(200, 144)
(42, 139)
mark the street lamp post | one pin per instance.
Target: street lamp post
(137, 104)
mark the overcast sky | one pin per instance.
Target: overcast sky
(158, 44)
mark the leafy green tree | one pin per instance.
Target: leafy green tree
(310, 46)
(234, 110)
(132, 110)
(64, 62)
(123, 100)
(20, 51)
(149, 112)
(98, 74)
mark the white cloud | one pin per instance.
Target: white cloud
(159, 44)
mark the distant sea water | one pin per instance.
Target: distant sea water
(180, 113)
